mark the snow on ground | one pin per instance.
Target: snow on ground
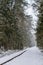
(10, 56)
(4, 53)
(32, 56)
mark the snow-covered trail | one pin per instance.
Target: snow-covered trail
(32, 56)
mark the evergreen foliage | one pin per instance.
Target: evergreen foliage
(12, 27)
(40, 26)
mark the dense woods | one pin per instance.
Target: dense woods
(13, 33)
(39, 33)
(15, 24)
(40, 25)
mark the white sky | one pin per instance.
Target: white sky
(30, 10)
(33, 13)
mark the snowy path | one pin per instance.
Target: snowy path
(10, 57)
(31, 57)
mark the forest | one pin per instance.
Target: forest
(15, 23)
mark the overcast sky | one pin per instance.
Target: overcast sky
(32, 12)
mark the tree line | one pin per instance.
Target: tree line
(39, 33)
(12, 24)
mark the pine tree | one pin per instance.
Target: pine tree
(12, 30)
(40, 26)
